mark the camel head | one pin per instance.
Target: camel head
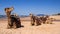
(9, 9)
(47, 16)
(31, 14)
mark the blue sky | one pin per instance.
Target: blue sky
(24, 7)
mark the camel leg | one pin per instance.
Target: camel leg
(14, 25)
(32, 23)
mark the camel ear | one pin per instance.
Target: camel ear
(6, 9)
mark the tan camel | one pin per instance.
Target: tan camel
(8, 13)
(47, 20)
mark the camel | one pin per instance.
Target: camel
(32, 19)
(46, 19)
(49, 20)
(15, 21)
(35, 20)
(43, 19)
(11, 19)
(8, 13)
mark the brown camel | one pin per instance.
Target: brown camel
(43, 19)
(46, 19)
(35, 20)
(15, 21)
(11, 20)
(32, 19)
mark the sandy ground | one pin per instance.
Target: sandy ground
(28, 29)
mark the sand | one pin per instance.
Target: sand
(28, 29)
